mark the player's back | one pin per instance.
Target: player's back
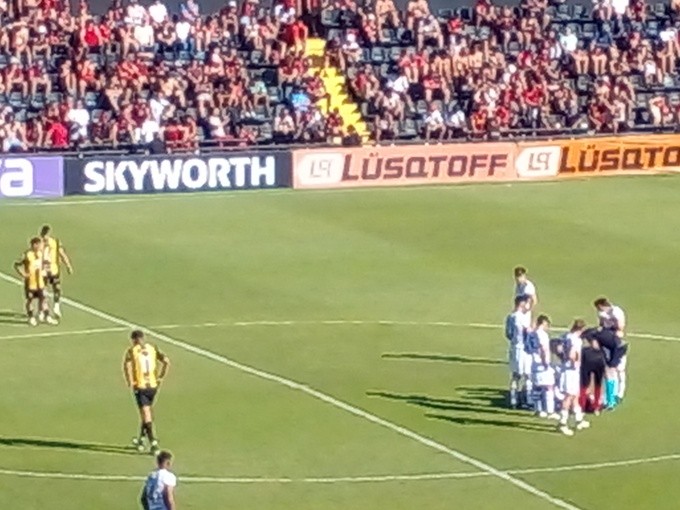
(155, 488)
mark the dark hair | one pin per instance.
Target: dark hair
(521, 299)
(163, 457)
(35, 240)
(137, 334)
(601, 301)
(578, 325)
(520, 271)
(542, 319)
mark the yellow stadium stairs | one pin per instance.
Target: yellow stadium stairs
(336, 86)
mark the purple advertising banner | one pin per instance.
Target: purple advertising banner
(32, 177)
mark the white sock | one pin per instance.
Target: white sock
(622, 383)
(578, 413)
(529, 391)
(513, 392)
(549, 400)
(564, 417)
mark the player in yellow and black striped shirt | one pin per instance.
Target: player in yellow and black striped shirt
(53, 255)
(30, 268)
(144, 367)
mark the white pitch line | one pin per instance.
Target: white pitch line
(345, 479)
(332, 322)
(460, 456)
(62, 333)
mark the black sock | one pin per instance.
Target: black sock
(142, 431)
(149, 431)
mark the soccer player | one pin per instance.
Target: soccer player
(53, 255)
(610, 336)
(30, 268)
(538, 344)
(159, 488)
(517, 326)
(144, 367)
(570, 379)
(524, 287)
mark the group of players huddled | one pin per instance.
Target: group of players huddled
(559, 377)
(40, 267)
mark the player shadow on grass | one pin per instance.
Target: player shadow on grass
(65, 444)
(489, 405)
(450, 358)
(446, 404)
(10, 317)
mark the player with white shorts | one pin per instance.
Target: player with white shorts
(517, 326)
(538, 344)
(570, 379)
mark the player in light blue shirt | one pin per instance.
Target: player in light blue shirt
(159, 488)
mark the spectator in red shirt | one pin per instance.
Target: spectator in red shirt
(532, 98)
(57, 135)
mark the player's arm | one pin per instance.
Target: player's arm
(20, 268)
(169, 497)
(65, 259)
(127, 368)
(620, 323)
(545, 354)
(164, 363)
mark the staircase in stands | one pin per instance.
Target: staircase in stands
(336, 86)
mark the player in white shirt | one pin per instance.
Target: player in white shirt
(517, 326)
(524, 287)
(159, 488)
(538, 344)
(570, 378)
(613, 324)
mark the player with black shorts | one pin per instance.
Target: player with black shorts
(144, 367)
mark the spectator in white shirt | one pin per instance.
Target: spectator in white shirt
(216, 124)
(457, 123)
(159, 105)
(183, 32)
(434, 124)
(620, 7)
(150, 128)
(568, 40)
(79, 118)
(136, 13)
(158, 12)
(144, 35)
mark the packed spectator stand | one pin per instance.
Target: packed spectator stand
(142, 78)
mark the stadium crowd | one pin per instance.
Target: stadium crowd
(142, 76)
(139, 75)
(488, 70)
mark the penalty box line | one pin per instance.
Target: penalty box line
(356, 411)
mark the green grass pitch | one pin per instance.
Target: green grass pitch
(376, 298)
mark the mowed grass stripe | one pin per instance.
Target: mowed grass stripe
(482, 466)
